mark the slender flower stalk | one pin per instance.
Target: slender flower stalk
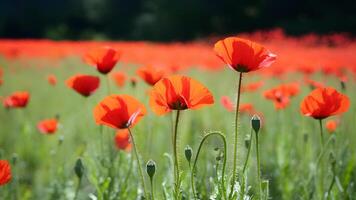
(234, 172)
(256, 125)
(176, 165)
(245, 166)
(321, 133)
(138, 163)
(151, 169)
(224, 161)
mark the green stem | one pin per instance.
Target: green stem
(330, 187)
(234, 173)
(77, 189)
(138, 163)
(245, 167)
(197, 156)
(258, 166)
(176, 165)
(152, 189)
(321, 133)
(248, 154)
(321, 167)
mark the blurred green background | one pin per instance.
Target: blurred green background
(166, 20)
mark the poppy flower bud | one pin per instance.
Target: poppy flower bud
(151, 168)
(256, 123)
(79, 168)
(188, 152)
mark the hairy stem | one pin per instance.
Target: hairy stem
(138, 163)
(258, 166)
(234, 173)
(176, 165)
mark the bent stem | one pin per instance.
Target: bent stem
(176, 165)
(258, 166)
(138, 163)
(234, 174)
(197, 156)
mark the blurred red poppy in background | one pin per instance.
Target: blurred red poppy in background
(331, 125)
(52, 80)
(251, 87)
(103, 58)
(178, 93)
(281, 94)
(227, 103)
(17, 100)
(122, 140)
(119, 111)
(243, 55)
(119, 78)
(5, 172)
(48, 126)
(83, 84)
(246, 108)
(324, 102)
(150, 74)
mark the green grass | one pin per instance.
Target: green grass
(43, 168)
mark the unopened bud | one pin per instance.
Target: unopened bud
(79, 168)
(151, 168)
(188, 152)
(256, 123)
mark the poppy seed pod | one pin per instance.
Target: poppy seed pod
(188, 152)
(151, 168)
(256, 123)
(79, 168)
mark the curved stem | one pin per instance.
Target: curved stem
(258, 166)
(138, 163)
(176, 165)
(234, 173)
(197, 156)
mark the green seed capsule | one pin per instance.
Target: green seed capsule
(151, 168)
(79, 168)
(188, 152)
(256, 123)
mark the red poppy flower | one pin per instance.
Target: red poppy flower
(324, 102)
(227, 103)
(17, 100)
(5, 172)
(122, 140)
(83, 84)
(243, 55)
(119, 78)
(52, 80)
(48, 126)
(150, 74)
(331, 125)
(178, 93)
(103, 58)
(119, 111)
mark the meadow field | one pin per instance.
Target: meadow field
(83, 157)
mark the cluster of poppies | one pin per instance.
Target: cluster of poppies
(176, 93)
